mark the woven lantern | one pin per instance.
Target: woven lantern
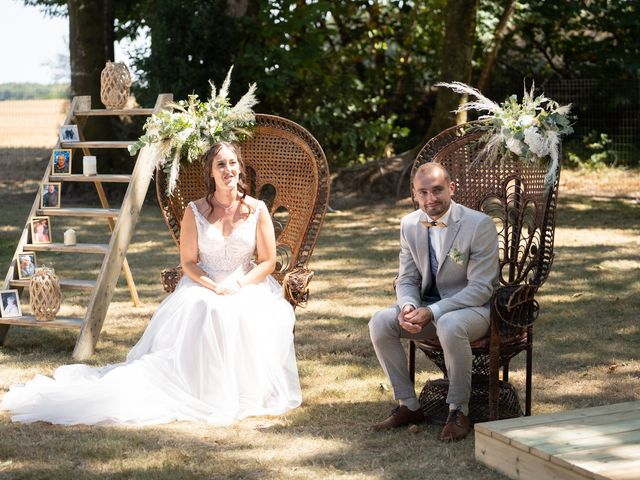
(115, 82)
(44, 294)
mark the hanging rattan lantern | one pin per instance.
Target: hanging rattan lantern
(44, 294)
(115, 83)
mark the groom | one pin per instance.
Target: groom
(448, 271)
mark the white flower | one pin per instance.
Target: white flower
(525, 121)
(457, 256)
(514, 145)
(538, 145)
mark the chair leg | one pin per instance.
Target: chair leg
(494, 373)
(412, 361)
(528, 382)
(505, 372)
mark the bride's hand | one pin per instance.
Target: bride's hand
(228, 287)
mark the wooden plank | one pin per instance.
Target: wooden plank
(30, 321)
(115, 178)
(566, 432)
(517, 464)
(558, 449)
(602, 461)
(504, 426)
(114, 112)
(79, 212)
(64, 283)
(99, 248)
(98, 144)
(120, 239)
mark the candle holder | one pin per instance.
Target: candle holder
(70, 237)
(44, 294)
(89, 165)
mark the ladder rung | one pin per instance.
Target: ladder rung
(98, 144)
(61, 247)
(90, 178)
(79, 212)
(114, 112)
(30, 321)
(64, 283)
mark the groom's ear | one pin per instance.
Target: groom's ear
(452, 187)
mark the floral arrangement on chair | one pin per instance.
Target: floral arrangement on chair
(530, 129)
(184, 134)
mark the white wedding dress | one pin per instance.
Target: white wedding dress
(203, 356)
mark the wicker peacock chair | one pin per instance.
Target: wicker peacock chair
(514, 195)
(286, 168)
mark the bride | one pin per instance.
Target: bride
(218, 349)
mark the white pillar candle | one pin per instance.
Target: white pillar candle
(70, 237)
(89, 165)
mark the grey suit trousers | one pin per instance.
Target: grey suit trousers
(455, 331)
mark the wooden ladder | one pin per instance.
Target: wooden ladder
(121, 229)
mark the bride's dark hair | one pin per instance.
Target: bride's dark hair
(210, 183)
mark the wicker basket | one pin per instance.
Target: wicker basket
(115, 83)
(44, 294)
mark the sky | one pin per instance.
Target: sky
(34, 47)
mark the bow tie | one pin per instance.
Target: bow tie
(433, 224)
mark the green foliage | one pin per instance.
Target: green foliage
(595, 151)
(354, 73)
(573, 39)
(30, 91)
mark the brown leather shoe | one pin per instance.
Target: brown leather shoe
(456, 428)
(400, 416)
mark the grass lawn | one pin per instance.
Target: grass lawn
(585, 349)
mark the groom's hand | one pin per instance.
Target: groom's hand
(413, 320)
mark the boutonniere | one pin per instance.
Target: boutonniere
(457, 256)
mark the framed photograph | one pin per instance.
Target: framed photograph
(10, 304)
(50, 195)
(26, 265)
(61, 161)
(69, 133)
(40, 230)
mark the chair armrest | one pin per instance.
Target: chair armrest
(514, 308)
(170, 278)
(296, 286)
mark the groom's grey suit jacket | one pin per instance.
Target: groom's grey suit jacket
(468, 270)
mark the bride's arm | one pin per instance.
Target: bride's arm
(265, 249)
(189, 252)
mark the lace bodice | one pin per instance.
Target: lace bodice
(220, 256)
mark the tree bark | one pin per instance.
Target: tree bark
(88, 45)
(501, 32)
(457, 53)
(91, 37)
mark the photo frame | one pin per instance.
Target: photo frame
(61, 161)
(69, 133)
(26, 265)
(10, 304)
(41, 230)
(50, 195)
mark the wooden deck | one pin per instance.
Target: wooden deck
(595, 443)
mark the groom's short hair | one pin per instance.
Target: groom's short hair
(429, 166)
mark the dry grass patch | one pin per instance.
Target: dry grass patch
(584, 354)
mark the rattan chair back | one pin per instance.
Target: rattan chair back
(285, 167)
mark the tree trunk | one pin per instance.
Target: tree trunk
(457, 53)
(91, 37)
(501, 32)
(88, 45)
